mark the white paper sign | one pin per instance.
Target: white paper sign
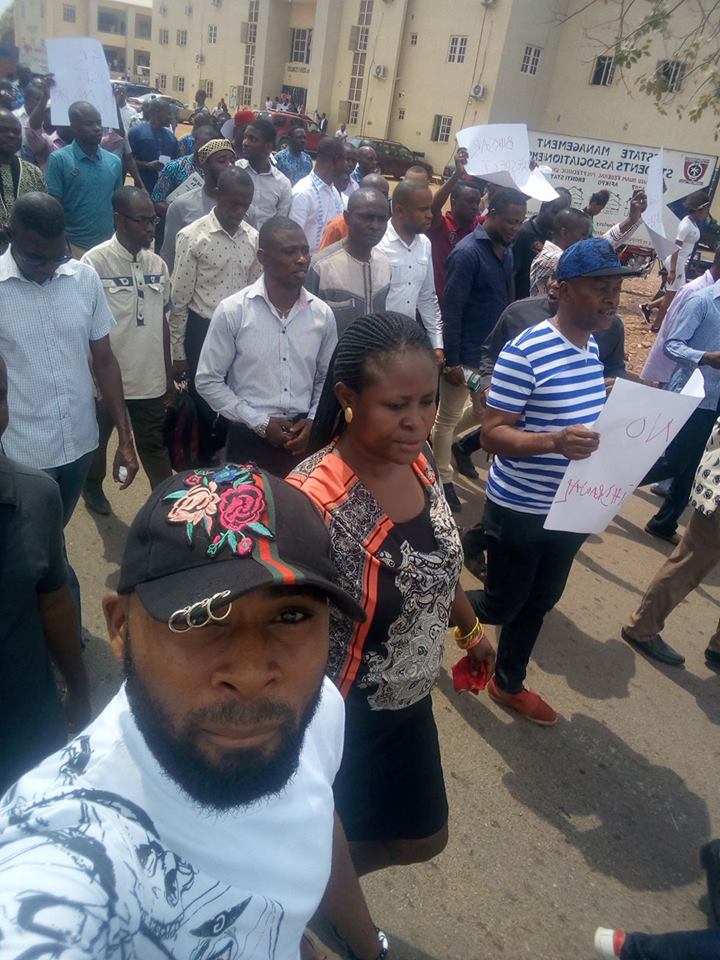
(194, 181)
(500, 153)
(81, 73)
(653, 216)
(636, 425)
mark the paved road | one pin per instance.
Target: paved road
(553, 831)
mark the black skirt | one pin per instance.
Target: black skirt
(390, 785)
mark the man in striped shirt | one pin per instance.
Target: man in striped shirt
(547, 391)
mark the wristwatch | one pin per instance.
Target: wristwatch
(261, 429)
(384, 947)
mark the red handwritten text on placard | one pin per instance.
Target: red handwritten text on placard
(606, 494)
(648, 430)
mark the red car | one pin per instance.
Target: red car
(283, 123)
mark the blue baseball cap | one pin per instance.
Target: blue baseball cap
(591, 258)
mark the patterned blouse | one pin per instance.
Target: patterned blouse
(705, 495)
(403, 574)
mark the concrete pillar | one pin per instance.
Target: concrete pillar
(326, 39)
(273, 48)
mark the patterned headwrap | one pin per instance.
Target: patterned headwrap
(214, 146)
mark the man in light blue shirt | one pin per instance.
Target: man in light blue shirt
(83, 177)
(694, 344)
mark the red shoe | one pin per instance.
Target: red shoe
(609, 943)
(531, 705)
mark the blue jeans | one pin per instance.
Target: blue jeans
(692, 945)
(71, 478)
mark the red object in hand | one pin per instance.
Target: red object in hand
(465, 679)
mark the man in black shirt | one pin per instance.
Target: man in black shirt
(531, 239)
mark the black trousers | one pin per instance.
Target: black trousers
(212, 429)
(527, 569)
(146, 418)
(244, 445)
(680, 461)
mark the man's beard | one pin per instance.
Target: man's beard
(242, 776)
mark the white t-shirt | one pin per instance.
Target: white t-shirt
(688, 235)
(102, 856)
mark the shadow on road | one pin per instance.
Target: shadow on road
(598, 669)
(113, 532)
(630, 819)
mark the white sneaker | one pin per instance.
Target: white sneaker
(608, 943)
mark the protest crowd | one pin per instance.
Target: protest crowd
(301, 365)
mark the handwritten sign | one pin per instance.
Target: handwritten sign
(500, 153)
(81, 73)
(636, 425)
(653, 216)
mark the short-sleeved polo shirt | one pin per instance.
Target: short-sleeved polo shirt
(84, 185)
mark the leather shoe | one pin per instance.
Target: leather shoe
(96, 501)
(655, 648)
(463, 462)
(673, 538)
(712, 659)
(710, 862)
(452, 498)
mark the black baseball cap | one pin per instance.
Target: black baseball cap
(226, 531)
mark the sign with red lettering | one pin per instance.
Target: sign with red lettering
(636, 425)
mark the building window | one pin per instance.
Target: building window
(531, 60)
(212, 33)
(670, 74)
(108, 21)
(162, 81)
(250, 43)
(354, 114)
(401, 113)
(356, 77)
(163, 37)
(603, 72)
(179, 84)
(413, 39)
(366, 10)
(457, 50)
(68, 13)
(143, 27)
(181, 38)
(300, 46)
(207, 86)
(188, 10)
(441, 129)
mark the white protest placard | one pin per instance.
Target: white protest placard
(636, 425)
(500, 153)
(653, 216)
(194, 181)
(81, 73)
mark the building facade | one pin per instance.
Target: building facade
(124, 28)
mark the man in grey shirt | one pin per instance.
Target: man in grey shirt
(213, 158)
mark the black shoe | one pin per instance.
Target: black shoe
(667, 535)
(712, 659)
(96, 501)
(710, 862)
(655, 648)
(463, 462)
(452, 498)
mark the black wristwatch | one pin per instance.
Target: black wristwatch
(384, 947)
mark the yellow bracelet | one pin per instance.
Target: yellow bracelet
(463, 640)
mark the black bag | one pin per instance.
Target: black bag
(181, 431)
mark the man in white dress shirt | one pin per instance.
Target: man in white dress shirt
(267, 353)
(315, 199)
(412, 288)
(273, 191)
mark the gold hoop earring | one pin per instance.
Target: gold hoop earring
(348, 414)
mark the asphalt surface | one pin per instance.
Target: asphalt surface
(596, 821)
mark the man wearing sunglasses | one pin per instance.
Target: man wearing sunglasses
(137, 289)
(54, 314)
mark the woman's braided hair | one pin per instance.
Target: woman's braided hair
(367, 338)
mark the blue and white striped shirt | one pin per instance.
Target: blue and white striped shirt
(551, 384)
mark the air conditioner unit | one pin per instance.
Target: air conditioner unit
(478, 91)
(380, 72)
(199, 58)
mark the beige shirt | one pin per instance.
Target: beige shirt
(137, 290)
(210, 265)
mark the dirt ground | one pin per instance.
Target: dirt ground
(638, 338)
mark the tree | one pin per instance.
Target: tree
(690, 31)
(7, 27)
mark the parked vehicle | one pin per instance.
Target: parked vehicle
(135, 90)
(709, 234)
(394, 159)
(182, 111)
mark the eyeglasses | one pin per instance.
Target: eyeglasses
(144, 220)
